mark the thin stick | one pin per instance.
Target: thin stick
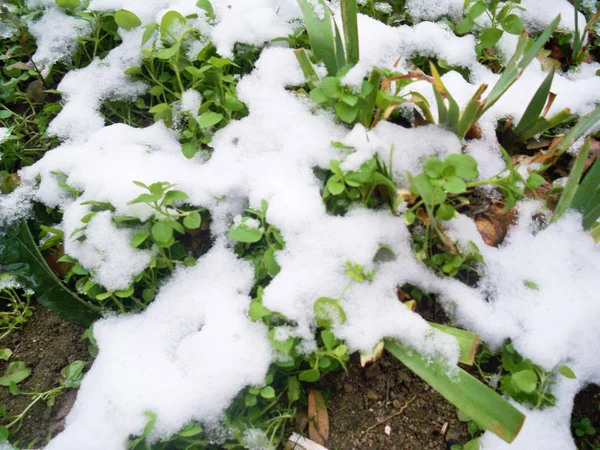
(391, 416)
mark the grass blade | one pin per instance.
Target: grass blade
(339, 48)
(307, 67)
(536, 105)
(538, 44)
(349, 19)
(467, 118)
(571, 187)
(320, 32)
(541, 124)
(478, 401)
(587, 197)
(578, 130)
(365, 114)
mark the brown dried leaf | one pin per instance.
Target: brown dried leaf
(495, 223)
(318, 418)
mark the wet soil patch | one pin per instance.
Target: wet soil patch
(386, 406)
(587, 406)
(47, 344)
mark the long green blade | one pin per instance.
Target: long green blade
(538, 44)
(541, 124)
(20, 256)
(317, 18)
(478, 401)
(307, 67)
(350, 21)
(536, 105)
(365, 114)
(587, 197)
(573, 181)
(578, 130)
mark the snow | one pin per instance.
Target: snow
(194, 348)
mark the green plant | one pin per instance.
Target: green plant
(501, 17)
(579, 49)
(520, 378)
(257, 241)
(583, 427)
(16, 308)
(209, 80)
(70, 379)
(371, 185)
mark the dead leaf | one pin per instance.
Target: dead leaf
(318, 418)
(35, 91)
(9, 183)
(495, 223)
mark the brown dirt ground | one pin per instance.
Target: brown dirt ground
(46, 343)
(587, 404)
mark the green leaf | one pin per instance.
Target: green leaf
(477, 9)
(68, 4)
(257, 311)
(293, 389)
(206, 6)
(320, 32)
(445, 212)
(350, 21)
(246, 231)
(525, 381)
(455, 185)
(162, 232)
(209, 118)
(464, 26)
(536, 105)
(534, 180)
(149, 425)
(433, 167)
(328, 312)
(188, 149)
(4, 433)
(172, 26)
(174, 196)
(310, 375)
(16, 372)
(192, 429)
(335, 185)
(285, 346)
(192, 221)
(465, 165)
(139, 238)
(20, 256)
(126, 19)
(5, 353)
(587, 197)
(5, 114)
(267, 392)
(490, 37)
(466, 393)
(167, 53)
(73, 373)
(566, 371)
(512, 24)
(149, 30)
(467, 342)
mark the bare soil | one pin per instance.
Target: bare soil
(46, 343)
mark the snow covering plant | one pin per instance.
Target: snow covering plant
(301, 160)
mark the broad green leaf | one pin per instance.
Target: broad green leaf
(257, 311)
(68, 4)
(246, 231)
(209, 119)
(162, 232)
(464, 26)
(167, 53)
(267, 392)
(490, 37)
(139, 238)
(525, 381)
(149, 424)
(455, 185)
(433, 167)
(445, 212)
(20, 256)
(587, 197)
(293, 389)
(149, 31)
(328, 312)
(469, 395)
(335, 185)
(126, 19)
(5, 353)
(192, 429)
(465, 165)
(73, 373)
(207, 7)
(16, 372)
(477, 9)
(172, 26)
(512, 24)
(284, 346)
(310, 375)
(4, 433)
(192, 220)
(467, 342)
(174, 196)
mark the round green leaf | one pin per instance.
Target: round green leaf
(525, 381)
(310, 375)
(4, 433)
(465, 165)
(267, 392)
(445, 212)
(245, 232)
(16, 372)
(188, 149)
(192, 220)
(335, 185)
(512, 24)
(172, 26)
(162, 232)
(490, 37)
(346, 112)
(328, 312)
(209, 118)
(477, 9)
(433, 167)
(455, 185)
(250, 400)
(464, 26)
(127, 20)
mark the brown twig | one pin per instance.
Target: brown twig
(391, 416)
